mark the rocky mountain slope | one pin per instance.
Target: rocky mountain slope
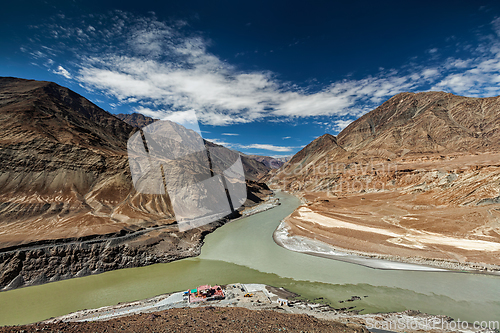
(135, 119)
(409, 127)
(254, 168)
(270, 162)
(430, 122)
(418, 167)
(67, 203)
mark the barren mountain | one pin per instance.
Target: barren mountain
(416, 177)
(254, 168)
(135, 119)
(64, 164)
(67, 203)
(270, 162)
(429, 122)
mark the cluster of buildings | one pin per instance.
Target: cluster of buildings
(204, 293)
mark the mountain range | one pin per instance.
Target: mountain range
(254, 167)
(422, 165)
(66, 187)
(271, 162)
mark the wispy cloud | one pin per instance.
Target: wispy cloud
(164, 68)
(230, 134)
(268, 147)
(286, 137)
(62, 71)
(340, 124)
(258, 146)
(477, 75)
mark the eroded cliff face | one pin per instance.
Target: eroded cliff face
(67, 203)
(68, 258)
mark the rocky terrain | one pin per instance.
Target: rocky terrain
(418, 177)
(270, 162)
(135, 119)
(206, 319)
(255, 166)
(67, 205)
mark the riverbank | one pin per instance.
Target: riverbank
(314, 247)
(331, 228)
(276, 308)
(35, 264)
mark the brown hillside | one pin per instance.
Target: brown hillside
(418, 177)
(66, 191)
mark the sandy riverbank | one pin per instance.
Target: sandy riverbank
(363, 229)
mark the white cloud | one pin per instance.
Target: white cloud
(477, 76)
(340, 124)
(430, 73)
(161, 67)
(187, 119)
(220, 142)
(145, 61)
(286, 137)
(267, 147)
(481, 79)
(62, 71)
(230, 134)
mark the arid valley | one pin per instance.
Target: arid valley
(250, 167)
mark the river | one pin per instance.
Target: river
(244, 251)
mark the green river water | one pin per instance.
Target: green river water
(244, 251)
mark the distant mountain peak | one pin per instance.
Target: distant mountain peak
(270, 162)
(319, 146)
(46, 109)
(136, 119)
(327, 137)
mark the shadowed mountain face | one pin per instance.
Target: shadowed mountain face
(64, 168)
(254, 170)
(34, 109)
(136, 119)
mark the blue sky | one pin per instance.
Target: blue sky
(263, 77)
